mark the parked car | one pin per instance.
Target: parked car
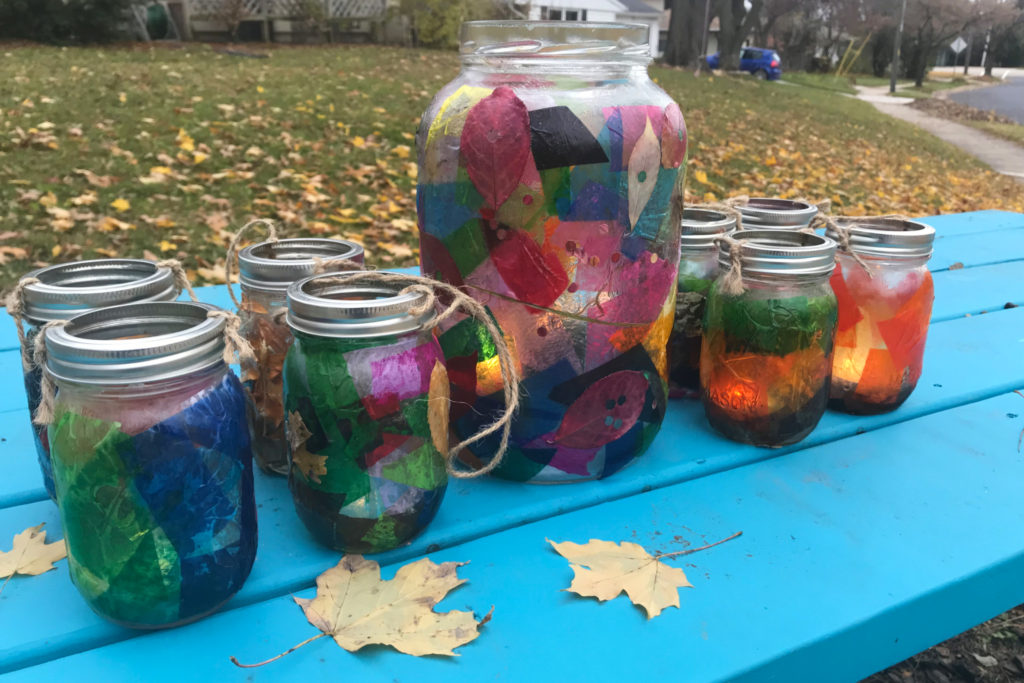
(759, 61)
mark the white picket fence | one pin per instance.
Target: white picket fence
(286, 9)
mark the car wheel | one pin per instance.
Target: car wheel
(761, 74)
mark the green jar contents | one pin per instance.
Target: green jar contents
(366, 475)
(265, 272)
(766, 357)
(698, 267)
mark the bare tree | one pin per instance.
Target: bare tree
(736, 20)
(685, 32)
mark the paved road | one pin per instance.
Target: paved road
(1006, 99)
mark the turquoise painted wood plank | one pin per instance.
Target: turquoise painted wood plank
(853, 556)
(976, 290)
(974, 222)
(974, 250)
(968, 359)
(21, 482)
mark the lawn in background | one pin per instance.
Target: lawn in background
(166, 152)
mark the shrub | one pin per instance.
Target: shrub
(63, 21)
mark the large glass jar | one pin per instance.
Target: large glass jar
(152, 463)
(366, 475)
(698, 268)
(767, 352)
(69, 289)
(265, 271)
(885, 304)
(772, 213)
(549, 177)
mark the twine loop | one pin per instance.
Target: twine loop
(235, 344)
(731, 282)
(15, 304)
(843, 239)
(434, 294)
(232, 254)
(47, 389)
(180, 276)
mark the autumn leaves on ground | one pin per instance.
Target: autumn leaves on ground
(166, 152)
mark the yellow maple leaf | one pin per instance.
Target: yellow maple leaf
(55, 251)
(700, 177)
(359, 141)
(30, 554)
(185, 141)
(167, 246)
(401, 151)
(199, 157)
(356, 608)
(771, 161)
(120, 204)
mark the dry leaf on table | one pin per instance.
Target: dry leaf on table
(31, 554)
(603, 570)
(356, 608)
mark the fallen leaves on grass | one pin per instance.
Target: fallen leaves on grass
(603, 570)
(30, 555)
(356, 608)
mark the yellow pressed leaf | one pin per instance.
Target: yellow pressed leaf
(30, 554)
(439, 401)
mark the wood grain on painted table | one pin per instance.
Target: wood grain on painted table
(874, 538)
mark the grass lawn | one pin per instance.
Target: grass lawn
(1010, 131)
(165, 152)
(929, 88)
(823, 81)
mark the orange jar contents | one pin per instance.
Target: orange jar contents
(885, 303)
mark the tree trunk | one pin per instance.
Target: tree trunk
(729, 42)
(685, 31)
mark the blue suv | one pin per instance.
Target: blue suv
(764, 64)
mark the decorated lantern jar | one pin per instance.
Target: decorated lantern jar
(69, 289)
(698, 268)
(151, 461)
(768, 334)
(549, 180)
(770, 213)
(265, 272)
(885, 295)
(366, 474)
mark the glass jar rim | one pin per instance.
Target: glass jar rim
(66, 290)
(326, 306)
(701, 227)
(554, 40)
(273, 266)
(138, 342)
(774, 212)
(889, 237)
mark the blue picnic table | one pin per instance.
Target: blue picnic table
(873, 539)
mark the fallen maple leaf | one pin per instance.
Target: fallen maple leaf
(603, 570)
(356, 608)
(31, 554)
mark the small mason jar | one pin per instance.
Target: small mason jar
(365, 474)
(768, 213)
(884, 309)
(767, 352)
(69, 289)
(698, 268)
(549, 175)
(151, 461)
(265, 272)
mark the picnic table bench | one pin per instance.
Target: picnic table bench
(871, 540)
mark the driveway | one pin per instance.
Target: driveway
(1006, 99)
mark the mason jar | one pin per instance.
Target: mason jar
(549, 173)
(885, 304)
(698, 268)
(70, 289)
(767, 352)
(151, 462)
(265, 272)
(770, 213)
(366, 475)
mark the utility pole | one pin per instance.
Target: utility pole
(896, 48)
(967, 52)
(984, 51)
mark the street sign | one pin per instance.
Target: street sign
(958, 45)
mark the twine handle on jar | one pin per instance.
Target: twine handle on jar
(47, 390)
(15, 304)
(234, 343)
(180, 276)
(732, 279)
(433, 291)
(321, 266)
(232, 254)
(843, 233)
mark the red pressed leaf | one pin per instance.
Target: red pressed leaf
(673, 137)
(495, 144)
(604, 412)
(534, 275)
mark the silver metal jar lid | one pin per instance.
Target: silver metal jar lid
(769, 212)
(69, 289)
(134, 343)
(275, 265)
(324, 305)
(781, 252)
(700, 227)
(887, 237)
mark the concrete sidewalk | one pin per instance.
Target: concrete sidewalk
(1002, 155)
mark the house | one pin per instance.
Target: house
(647, 12)
(281, 20)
